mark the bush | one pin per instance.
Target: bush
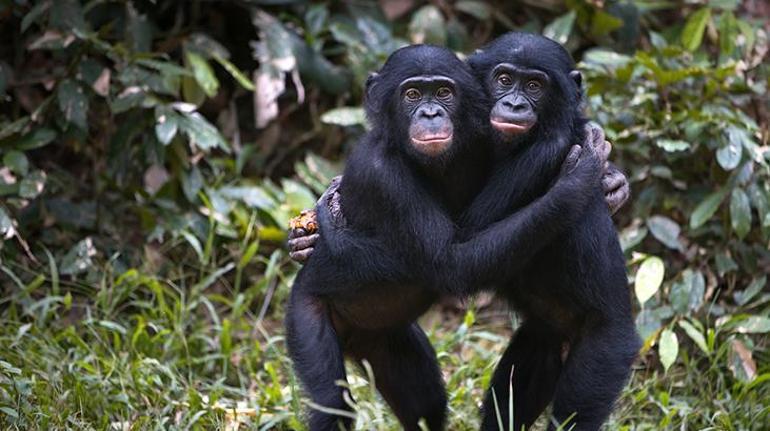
(153, 152)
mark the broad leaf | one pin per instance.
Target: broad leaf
(648, 278)
(706, 209)
(73, 103)
(692, 34)
(203, 73)
(740, 213)
(345, 116)
(666, 231)
(560, 29)
(668, 348)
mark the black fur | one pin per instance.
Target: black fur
(367, 282)
(575, 291)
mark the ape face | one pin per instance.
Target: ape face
(429, 103)
(532, 85)
(517, 94)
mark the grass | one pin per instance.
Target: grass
(193, 350)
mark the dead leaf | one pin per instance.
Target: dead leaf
(741, 362)
(102, 84)
(154, 178)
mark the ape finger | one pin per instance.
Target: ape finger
(617, 198)
(303, 242)
(296, 233)
(572, 159)
(301, 256)
(612, 180)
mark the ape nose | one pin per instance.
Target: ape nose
(515, 106)
(430, 112)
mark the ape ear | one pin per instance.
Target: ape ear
(371, 81)
(577, 77)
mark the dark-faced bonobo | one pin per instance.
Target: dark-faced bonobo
(405, 180)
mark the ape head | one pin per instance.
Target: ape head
(419, 99)
(532, 84)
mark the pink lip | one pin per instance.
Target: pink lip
(432, 140)
(510, 128)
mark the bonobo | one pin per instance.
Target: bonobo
(575, 290)
(303, 229)
(421, 162)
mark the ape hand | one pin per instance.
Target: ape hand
(595, 138)
(303, 229)
(616, 190)
(582, 164)
(614, 182)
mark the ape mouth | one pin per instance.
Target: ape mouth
(432, 139)
(510, 128)
(432, 145)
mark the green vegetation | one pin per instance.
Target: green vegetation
(153, 152)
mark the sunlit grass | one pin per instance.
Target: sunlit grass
(135, 352)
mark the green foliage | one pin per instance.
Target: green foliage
(153, 152)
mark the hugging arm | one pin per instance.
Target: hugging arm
(504, 247)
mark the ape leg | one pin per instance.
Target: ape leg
(534, 355)
(318, 360)
(596, 370)
(407, 375)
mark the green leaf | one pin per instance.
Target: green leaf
(17, 162)
(35, 139)
(725, 263)
(476, 9)
(201, 133)
(692, 34)
(742, 297)
(194, 243)
(706, 209)
(235, 72)
(666, 231)
(728, 33)
(754, 325)
(32, 185)
(316, 17)
(428, 26)
(10, 412)
(605, 57)
(167, 123)
(33, 15)
(298, 197)
(729, 154)
(687, 294)
(78, 258)
(6, 225)
(603, 23)
(648, 278)
(740, 213)
(668, 348)
(560, 29)
(73, 103)
(672, 145)
(345, 116)
(203, 73)
(695, 335)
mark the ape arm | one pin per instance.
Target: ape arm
(392, 226)
(504, 247)
(302, 239)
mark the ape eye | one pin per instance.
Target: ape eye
(505, 79)
(534, 85)
(444, 93)
(412, 94)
